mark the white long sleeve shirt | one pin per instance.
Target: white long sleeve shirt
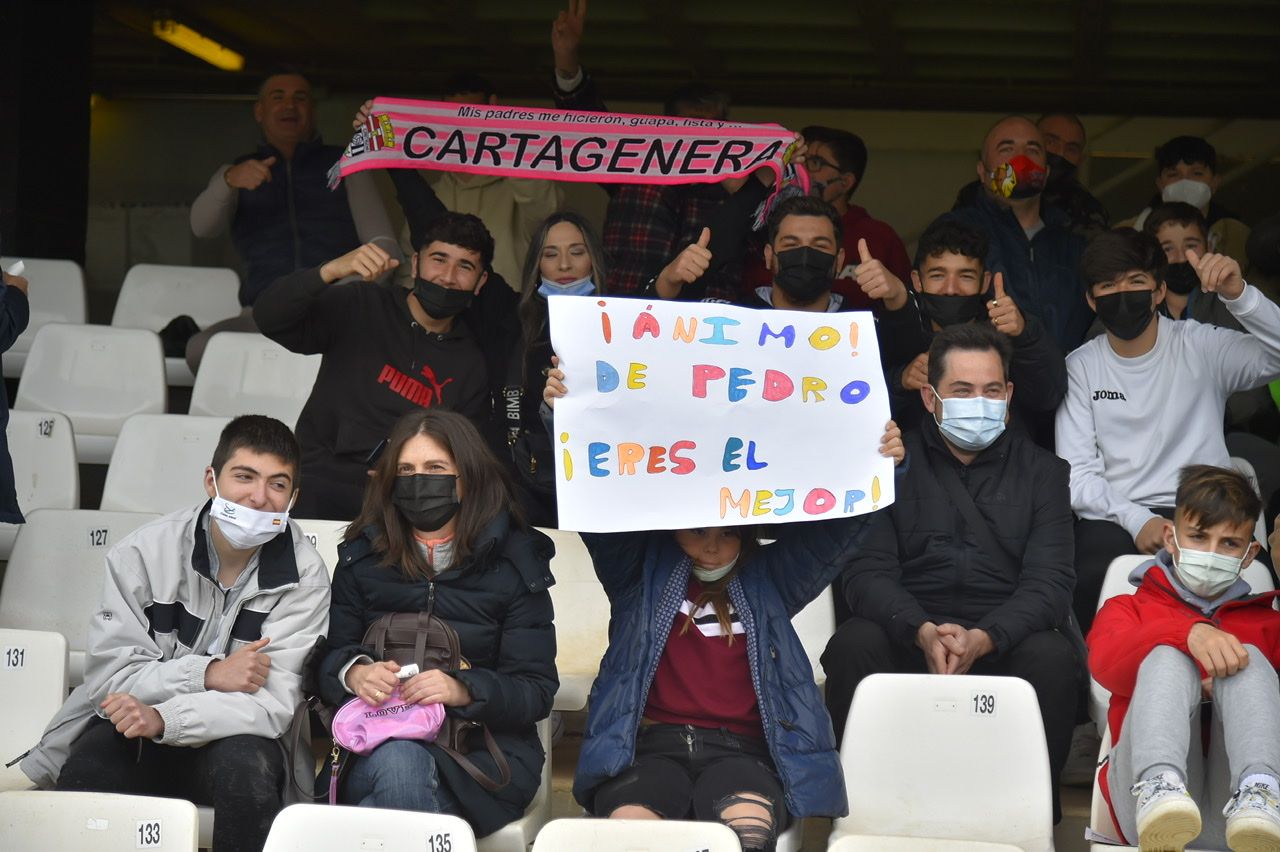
(1128, 425)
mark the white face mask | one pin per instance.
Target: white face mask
(245, 528)
(1194, 192)
(710, 575)
(972, 423)
(1206, 574)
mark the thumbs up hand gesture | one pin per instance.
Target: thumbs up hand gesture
(689, 265)
(1003, 311)
(1218, 274)
(878, 282)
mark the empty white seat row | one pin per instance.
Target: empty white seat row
(56, 295)
(152, 295)
(100, 376)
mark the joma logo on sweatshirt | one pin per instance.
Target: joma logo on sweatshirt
(1101, 394)
(412, 389)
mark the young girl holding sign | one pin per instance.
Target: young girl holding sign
(705, 706)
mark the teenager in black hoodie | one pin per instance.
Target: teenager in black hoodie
(388, 350)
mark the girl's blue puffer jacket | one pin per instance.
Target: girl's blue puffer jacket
(646, 575)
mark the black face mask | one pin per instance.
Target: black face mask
(1061, 170)
(952, 310)
(1181, 278)
(805, 273)
(427, 500)
(1126, 314)
(441, 302)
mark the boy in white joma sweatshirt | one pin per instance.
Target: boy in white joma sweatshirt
(1147, 398)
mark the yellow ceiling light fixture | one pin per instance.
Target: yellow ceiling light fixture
(201, 47)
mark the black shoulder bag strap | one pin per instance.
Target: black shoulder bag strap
(991, 546)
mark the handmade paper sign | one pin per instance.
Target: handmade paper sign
(684, 414)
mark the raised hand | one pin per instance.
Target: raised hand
(916, 374)
(368, 261)
(243, 670)
(362, 114)
(877, 281)
(1218, 274)
(1003, 310)
(566, 37)
(891, 443)
(689, 265)
(555, 383)
(250, 174)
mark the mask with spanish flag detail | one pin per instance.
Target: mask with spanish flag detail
(1021, 177)
(245, 528)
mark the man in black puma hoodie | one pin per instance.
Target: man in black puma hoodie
(387, 350)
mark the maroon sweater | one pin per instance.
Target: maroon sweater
(702, 680)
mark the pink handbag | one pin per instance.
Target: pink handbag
(359, 728)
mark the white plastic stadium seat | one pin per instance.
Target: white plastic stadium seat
(635, 835)
(54, 579)
(335, 828)
(814, 625)
(1246, 467)
(96, 375)
(59, 821)
(45, 472)
(1116, 582)
(325, 536)
(56, 295)
(33, 680)
(518, 836)
(582, 619)
(249, 374)
(863, 843)
(909, 737)
(159, 463)
(152, 295)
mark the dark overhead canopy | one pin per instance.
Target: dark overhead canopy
(1146, 57)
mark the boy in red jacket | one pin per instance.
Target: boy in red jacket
(1193, 635)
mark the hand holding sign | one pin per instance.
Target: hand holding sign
(566, 36)
(250, 174)
(1218, 274)
(878, 282)
(1003, 311)
(689, 265)
(369, 262)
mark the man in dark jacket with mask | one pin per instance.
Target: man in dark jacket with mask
(1032, 244)
(970, 568)
(388, 350)
(952, 287)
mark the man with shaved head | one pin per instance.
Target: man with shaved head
(1032, 244)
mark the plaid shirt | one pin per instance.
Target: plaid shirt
(647, 225)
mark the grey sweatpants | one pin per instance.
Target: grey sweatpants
(1162, 733)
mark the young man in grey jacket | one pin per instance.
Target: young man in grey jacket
(196, 653)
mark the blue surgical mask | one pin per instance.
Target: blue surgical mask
(1205, 573)
(972, 423)
(581, 287)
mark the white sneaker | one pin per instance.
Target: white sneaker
(1253, 819)
(1168, 818)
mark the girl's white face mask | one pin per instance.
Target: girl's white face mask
(710, 575)
(245, 528)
